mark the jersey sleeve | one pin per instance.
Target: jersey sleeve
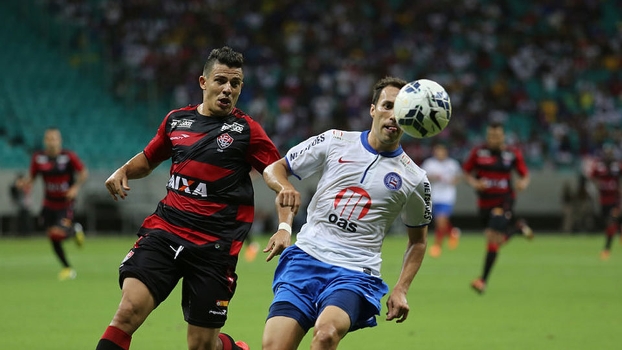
(34, 170)
(418, 209)
(309, 156)
(521, 166)
(262, 151)
(160, 147)
(469, 163)
(76, 162)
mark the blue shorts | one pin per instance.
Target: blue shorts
(303, 286)
(442, 209)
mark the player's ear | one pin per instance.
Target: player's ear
(203, 82)
(372, 109)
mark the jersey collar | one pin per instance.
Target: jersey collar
(368, 147)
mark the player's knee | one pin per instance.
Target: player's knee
(326, 336)
(56, 233)
(202, 341)
(130, 316)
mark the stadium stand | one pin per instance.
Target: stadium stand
(108, 71)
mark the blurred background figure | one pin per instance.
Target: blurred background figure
(606, 173)
(63, 174)
(577, 206)
(20, 198)
(444, 173)
(489, 170)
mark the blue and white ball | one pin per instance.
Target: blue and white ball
(422, 108)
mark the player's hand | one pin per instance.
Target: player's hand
(288, 197)
(397, 307)
(117, 184)
(277, 243)
(480, 185)
(72, 193)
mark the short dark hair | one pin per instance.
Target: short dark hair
(495, 125)
(224, 55)
(384, 82)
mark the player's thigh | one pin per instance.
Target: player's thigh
(151, 261)
(209, 283)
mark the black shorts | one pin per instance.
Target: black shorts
(160, 259)
(500, 222)
(57, 217)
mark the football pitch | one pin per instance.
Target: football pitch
(551, 293)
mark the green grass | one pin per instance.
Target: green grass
(552, 293)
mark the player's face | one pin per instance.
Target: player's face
(52, 142)
(385, 134)
(495, 138)
(221, 90)
(440, 152)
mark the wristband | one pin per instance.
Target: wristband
(285, 226)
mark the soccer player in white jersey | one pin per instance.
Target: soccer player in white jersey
(329, 279)
(444, 173)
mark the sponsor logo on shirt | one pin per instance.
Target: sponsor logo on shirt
(351, 203)
(233, 127)
(341, 160)
(295, 154)
(181, 123)
(427, 194)
(180, 137)
(189, 186)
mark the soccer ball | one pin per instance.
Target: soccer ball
(422, 108)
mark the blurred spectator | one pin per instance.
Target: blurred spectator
(559, 61)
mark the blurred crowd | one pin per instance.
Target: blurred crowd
(550, 69)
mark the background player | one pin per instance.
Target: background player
(488, 169)
(606, 172)
(444, 173)
(330, 279)
(63, 174)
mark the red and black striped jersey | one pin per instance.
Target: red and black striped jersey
(210, 195)
(607, 176)
(495, 168)
(58, 175)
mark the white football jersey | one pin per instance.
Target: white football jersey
(448, 169)
(359, 195)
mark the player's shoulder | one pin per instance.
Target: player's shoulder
(183, 111)
(343, 136)
(410, 167)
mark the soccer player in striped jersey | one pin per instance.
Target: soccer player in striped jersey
(606, 173)
(198, 228)
(488, 169)
(329, 279)
(63, 174)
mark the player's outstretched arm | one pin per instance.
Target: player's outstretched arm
(135, 168)
(397, 303)
(287, 204)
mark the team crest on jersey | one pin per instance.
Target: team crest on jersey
(225, 140)
(393, 181)
(233, 127)
(182, 123)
